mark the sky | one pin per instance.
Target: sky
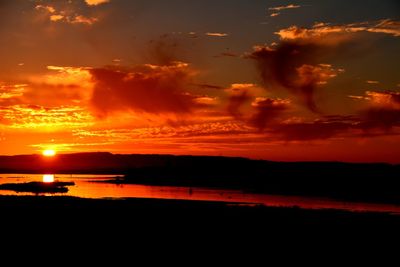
(266, 79)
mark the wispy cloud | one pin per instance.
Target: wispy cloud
(280, 8)
(387, 26)
(49, 9)
(217, 34)
(80, 19)
(11, 91)
(96, 2)
(339, 33)
(35, 117)
(66, 16)
(183, 131)
(276, 11)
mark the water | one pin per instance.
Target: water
(92, 186)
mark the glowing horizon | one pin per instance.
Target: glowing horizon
(299, 81)
(49, 153)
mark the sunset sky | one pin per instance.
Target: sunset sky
(266, 79)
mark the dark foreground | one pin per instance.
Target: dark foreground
(126, 213)
(125, 229)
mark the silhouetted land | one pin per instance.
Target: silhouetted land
(124, 229)
(38, 187)
(126, 211)
(354, 182)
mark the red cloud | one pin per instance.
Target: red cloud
(149, 88)
(67, 86)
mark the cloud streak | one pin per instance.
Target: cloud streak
(280, 8)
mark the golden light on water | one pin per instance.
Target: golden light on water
(48, 178)
(49, 153)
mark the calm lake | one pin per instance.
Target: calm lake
(93, 186)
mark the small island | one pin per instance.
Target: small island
(38, 187)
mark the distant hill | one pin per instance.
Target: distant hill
(103, 162)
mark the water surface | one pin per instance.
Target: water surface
(93, 186)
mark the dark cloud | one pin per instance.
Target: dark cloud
(294, 66)
(295, 62)
(238, 95)
(235, 102)
(267, 111)
(149, 88)
(380, 117)
(383, 118)
(383, 111)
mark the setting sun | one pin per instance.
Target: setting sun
(48, 178)
(49, 153)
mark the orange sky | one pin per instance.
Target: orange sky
(285, 82)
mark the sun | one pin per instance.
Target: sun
(48, 178)
(49, 153)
